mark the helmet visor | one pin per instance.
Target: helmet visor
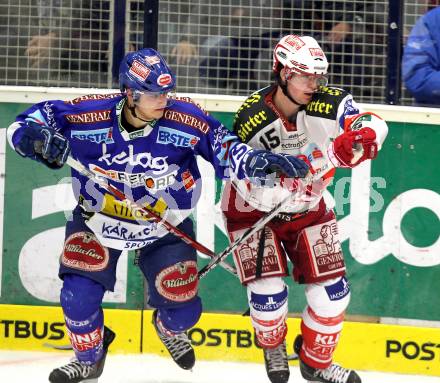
(154, 97)
(305, 80)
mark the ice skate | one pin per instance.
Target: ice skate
(332, 374)
(178, 345)
(277, 367)
(75, 371)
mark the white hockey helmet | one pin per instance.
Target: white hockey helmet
(299, 54)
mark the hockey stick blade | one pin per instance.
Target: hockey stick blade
(79, 167)
(292, 356)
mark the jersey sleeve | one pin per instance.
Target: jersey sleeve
(347, 107)
(45, 114)
(223, 150)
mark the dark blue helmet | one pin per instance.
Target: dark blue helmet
(146, 71)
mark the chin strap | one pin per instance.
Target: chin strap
(283, 86)
(132, 110)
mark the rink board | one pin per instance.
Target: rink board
(40, 328)
(388, 221)
(228, 337)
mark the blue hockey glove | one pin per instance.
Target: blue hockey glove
(262, 167)
(43, 144)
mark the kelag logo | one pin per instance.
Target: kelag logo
(216, 337)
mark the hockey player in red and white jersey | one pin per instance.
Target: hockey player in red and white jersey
(299, 115)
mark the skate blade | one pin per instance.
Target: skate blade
(292, 357)
(90, 381)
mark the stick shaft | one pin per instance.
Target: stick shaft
(250, 231)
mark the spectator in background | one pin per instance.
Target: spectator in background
(421, 59)
(228, 40)
(72, 35)
(355, 40)
(173, 16)
(353, 36)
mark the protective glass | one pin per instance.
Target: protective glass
(154, 97)
(308, 80)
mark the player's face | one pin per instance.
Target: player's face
(302, 86)
(151, 106)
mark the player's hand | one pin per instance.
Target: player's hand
(43, 144)
(263, 167)
(39, 47)
(184, 52)
(353, 147)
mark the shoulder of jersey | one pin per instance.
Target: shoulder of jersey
(188, 105)
(92, 101)
(253, 115)
(186, 112)
(325, 102)
(90, 109)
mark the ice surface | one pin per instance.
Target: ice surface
(34, 367)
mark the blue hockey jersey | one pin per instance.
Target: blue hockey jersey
(154, 166)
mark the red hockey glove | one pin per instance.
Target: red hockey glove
(353, 147)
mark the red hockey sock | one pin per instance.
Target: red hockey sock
(320, 338)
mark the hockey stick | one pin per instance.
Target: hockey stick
(250, 231)
(78, 166)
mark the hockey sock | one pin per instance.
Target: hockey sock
(320, 338)
(81, 301)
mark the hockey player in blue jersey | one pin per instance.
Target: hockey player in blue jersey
(144, 140)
